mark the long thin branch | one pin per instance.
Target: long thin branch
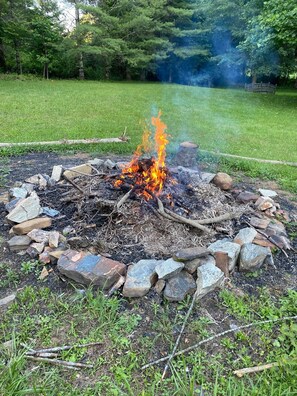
(226, 216)
(179, 336)
(124, 199)
(181, 219)
(74, 184)
(57, 362)
(62, 348)
(255, 369)
(189, 349)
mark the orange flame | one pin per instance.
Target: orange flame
(152, 178)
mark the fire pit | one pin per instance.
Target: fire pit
(168, 224)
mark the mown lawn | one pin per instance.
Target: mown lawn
(233, 121)
(224, 120)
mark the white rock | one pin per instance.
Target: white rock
(96, 161)
(4, 302)
(57, 173)
(267, 193)
(26, 209)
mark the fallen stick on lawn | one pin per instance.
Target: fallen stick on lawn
(123, 139)
(62, 348)
(276, 162)
(255, 369)
(56, 362)
(179, 336)
(191, 348)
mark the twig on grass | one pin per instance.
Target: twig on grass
(255, 369)
(179, 336)
(62, 348)
(63, 363)
(191, 348)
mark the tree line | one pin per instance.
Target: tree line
(203, 42)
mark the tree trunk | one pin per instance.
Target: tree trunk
(254, 78)
(128, 74)
(18, 58)
(2, 56)
(81, 70)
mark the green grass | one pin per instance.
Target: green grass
(41, 318)
(230, 121)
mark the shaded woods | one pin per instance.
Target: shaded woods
(195, 42)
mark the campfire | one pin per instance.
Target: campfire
(147, 176)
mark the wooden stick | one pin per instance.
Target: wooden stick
(68, 142)
(62, 348)
(251, 159)
(179, 336)
(124, 198)
(191, 348)
(226, 216)
(255, 369)
(73, 184)
(57, 362)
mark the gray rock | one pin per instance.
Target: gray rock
(18, 192)
(231, 248)
(190, 253)
(208, 278)
(29, 187)
(245, 235)
(168, 268)
(25, 209)
(38, 235)
(140, 277)
(6, 301)
(90, 269)
(253, 256)
(179, 286)
(109, 164)
(267, 193)
(96, 161)
(207, 177)
(18, 243)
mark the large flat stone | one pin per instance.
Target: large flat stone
(90, 269)
(245, 235)
(178, 287)
(253, 256)
(190, 253)
(140, 278)
(168, 268)
(80, 170)
(26, 209)
(209, 276)
(231, 248)
(27, 226)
